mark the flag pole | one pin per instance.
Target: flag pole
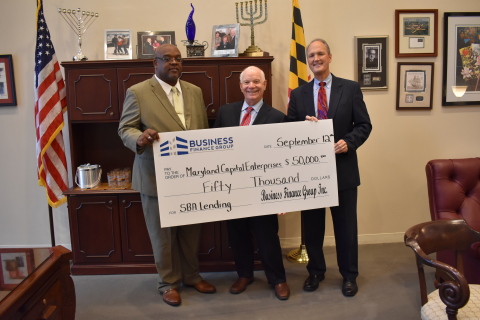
(50, 104)
(298, 76)
(52, 229)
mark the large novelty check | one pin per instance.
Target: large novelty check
(228, 173)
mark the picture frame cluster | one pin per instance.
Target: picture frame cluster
(118, 42)
(416, 36)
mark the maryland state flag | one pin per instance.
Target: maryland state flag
(298, 61)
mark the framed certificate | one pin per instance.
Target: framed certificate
(416, 33)
(414, 85)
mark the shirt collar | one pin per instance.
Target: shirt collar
(168, 88)
(256, 107)
(327, 80)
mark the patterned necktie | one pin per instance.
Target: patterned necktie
(247, 117)
(322, 102)
(177, 103)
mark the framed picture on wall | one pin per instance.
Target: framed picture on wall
(416, 33)
(461, 59)
(414, 85)
(371, 62)
(118, 44)
(148, 41)
(8, 96)
(225, 40)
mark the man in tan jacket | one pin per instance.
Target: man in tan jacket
(150, 108)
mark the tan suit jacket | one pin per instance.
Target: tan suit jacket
(147, 106)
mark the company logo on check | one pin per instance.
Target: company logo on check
(176, 146)
(180, 146)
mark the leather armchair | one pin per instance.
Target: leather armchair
(454, 193)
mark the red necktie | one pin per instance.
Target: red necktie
(322, 102)
(247, 117)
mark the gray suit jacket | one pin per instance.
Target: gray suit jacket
(147, 106)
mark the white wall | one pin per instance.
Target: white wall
(393, 194)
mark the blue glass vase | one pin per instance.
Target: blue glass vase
(190, 27)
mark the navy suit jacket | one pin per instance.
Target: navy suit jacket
(351, 122)
(229, 115)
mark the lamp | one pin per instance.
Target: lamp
(459, 91)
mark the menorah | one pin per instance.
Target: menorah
(79, 21)
(252, 17)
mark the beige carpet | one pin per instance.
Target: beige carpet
(388, 289)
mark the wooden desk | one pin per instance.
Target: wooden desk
(47, 290)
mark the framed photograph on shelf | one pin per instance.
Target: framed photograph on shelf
(118, 44)
(225, 40)
(148, 41)
(414, 85)
(416, 33)
(16, 265)
(8, 96)
(371, 62)
(461, 59)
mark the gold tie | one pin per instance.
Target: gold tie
(177, 103)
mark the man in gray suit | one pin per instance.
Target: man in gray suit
(163, 104)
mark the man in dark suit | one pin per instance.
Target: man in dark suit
(232, 37)
(148, 47)
(371, 61)
(115, 44)
(150, 108)
(252, 111)
(351, 127)
(225, 45)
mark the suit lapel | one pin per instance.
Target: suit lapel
(166, 104)
(335, 94)
(237, 111)
(308, 99)
(187, 103)
(263, 114)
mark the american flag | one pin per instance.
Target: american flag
(50, 104)
(298, 62)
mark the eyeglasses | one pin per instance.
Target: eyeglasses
(170, 59)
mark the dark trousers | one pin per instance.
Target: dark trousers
(344, 219)
(265, 230)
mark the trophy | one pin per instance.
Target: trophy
(194, 48)
(79, 21)
(252, 18)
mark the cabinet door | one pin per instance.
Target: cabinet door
(92, 94)
(205, 77)
(210, 245)
(94, 229)
(127, 77)
(136, 245)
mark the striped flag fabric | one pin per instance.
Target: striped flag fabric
(50, 104)
(298, 62)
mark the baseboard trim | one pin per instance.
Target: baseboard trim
(362, 239)
(296, 241)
